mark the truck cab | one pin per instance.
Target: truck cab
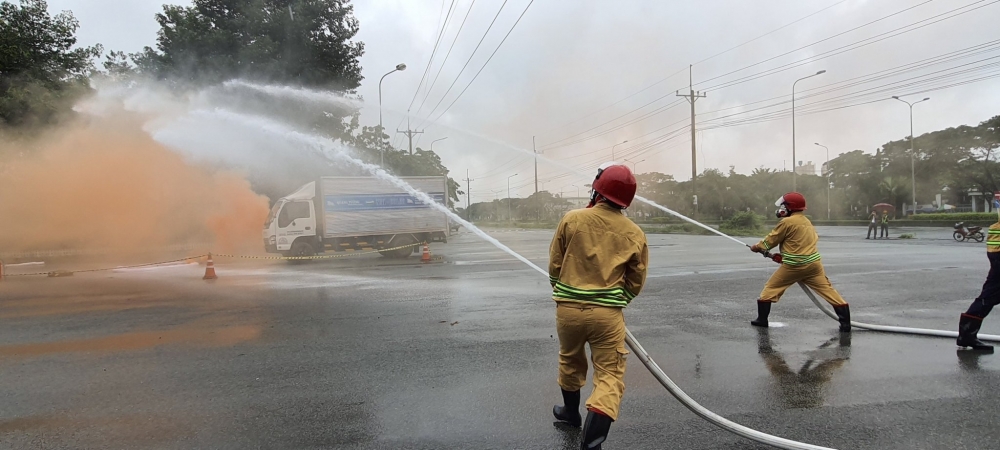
(291, 220)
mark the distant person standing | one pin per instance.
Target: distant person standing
(872, 227)
(885, 225)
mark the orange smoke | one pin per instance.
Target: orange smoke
(108, 186)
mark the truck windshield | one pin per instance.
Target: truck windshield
(273, 214)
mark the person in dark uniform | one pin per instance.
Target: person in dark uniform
(872, 225)
(972, 319)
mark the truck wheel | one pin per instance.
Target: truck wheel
(301, 249)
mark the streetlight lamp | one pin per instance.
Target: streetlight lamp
(399, 68)
(634, 163)
(432, 142)
(577, 190)
(913, 175)
(827, 179)
(509, 216)
(613, 148)
(793, 123)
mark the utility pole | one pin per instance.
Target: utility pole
(468, 192)
(692, 97)
(536, 162)
(409, 133)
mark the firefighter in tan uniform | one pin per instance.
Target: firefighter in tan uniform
(800, 261)
(597, 265)
(972, 319)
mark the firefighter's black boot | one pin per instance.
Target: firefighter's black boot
(569, 413)
(595, 431)
(968, 328)
(844, 317)
(763, 310)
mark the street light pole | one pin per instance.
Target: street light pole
(497, 208)
(533, 150)
(509, 216)
(613, 148)
(577, 190)
(399, 68)
(432, 142)
(913, 172)
(793, 124)
(634, 163)
(827, 179)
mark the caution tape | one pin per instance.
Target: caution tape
(344, 255)
(57, 273)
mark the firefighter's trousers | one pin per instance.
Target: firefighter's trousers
(812, 274)
(604, 329)
(990, 295)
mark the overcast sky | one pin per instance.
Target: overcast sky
(561, 71)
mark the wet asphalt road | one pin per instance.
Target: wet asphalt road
(363, 353)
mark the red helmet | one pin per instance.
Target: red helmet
(616, 183)
(794, 201)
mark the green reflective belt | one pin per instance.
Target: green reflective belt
(799, 260)
(612, 296)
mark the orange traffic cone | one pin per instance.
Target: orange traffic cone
(426, 258)
(210, 269)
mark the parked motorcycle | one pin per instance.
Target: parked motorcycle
(963, 233)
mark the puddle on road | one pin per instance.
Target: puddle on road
(69, 305)
(195, 333)
(137, 429)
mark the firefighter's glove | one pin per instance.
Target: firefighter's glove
(755, 248)
(776, 258)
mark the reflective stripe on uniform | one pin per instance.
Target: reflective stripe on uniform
(799, 260)
(619, 297)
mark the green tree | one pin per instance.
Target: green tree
(41, 74)
(300, 42)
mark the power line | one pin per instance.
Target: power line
(453, 41)
(886, 73)
(829, 53)
(641, 149)
(846, 48)
(484, 64)
(664, 108)
(460, 72)
(817, 42)
(433, 52)
(682, 70)
(888, 87)
(770, 32)
(781, 114)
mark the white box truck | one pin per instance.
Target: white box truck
(356, 213)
